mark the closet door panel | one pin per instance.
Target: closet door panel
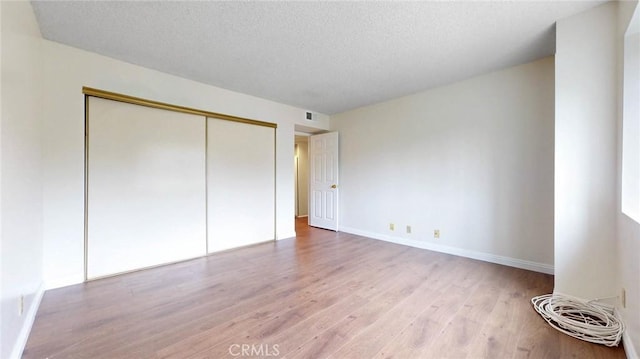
(146, 187)
(240, 184)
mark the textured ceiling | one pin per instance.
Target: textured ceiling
(327, 57)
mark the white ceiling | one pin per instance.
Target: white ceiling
(327, 57)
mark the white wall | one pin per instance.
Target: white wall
(628, 228)
(630, 175)
(473, 159)
(586, 154)
(2, 343)
(628, 262)
(66, 70)
(21, 175)
(597, 246)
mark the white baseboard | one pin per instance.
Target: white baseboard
(30, 317)
(487, 257)
(629, 347)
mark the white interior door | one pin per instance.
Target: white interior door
(323, 184)
(240, 184)
(145, 187)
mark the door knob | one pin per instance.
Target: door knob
(333, 186)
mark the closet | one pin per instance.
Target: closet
(166, 183)
(240, 172)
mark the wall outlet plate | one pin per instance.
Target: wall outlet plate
(436, 233)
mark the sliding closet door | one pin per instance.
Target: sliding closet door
(146, 187)
(240, 184)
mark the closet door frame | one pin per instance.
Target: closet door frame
(92, 92)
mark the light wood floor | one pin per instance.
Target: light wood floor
(321, 295)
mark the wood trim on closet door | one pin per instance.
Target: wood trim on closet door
(165, 106)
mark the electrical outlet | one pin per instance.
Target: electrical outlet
(436, 233)
(21, 305)
(392, 226)
(408, 229)
(623, 298)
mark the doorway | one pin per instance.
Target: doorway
(301, 153)
(316, 179)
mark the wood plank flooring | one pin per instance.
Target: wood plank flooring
(321, 295)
